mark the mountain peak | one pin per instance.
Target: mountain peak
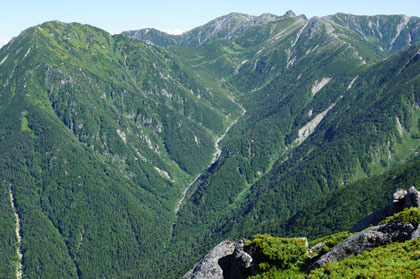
(290, 13)
(236, 14)
(266, 18)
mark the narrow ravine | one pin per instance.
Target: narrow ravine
(219, 139)
(18, 235)
(216, 155)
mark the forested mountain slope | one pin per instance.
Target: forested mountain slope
(338, 211)
(100, 135)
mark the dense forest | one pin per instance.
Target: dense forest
(317, 122)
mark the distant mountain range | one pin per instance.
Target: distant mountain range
(131, 155)
(224, 27)
(390, 33)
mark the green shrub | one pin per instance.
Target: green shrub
(332, 239)
(284, 253)
(275, 273)
(408, 215)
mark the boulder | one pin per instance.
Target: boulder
(412, 199)
(399, 195)
(314, 250)
(228, 260)
(242, 258)
(210, 266)
(416, 233)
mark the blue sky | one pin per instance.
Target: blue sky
(175, 16)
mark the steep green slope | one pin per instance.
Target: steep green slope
(99, 137)
(309, 92)
(381, 106)
(340, 210)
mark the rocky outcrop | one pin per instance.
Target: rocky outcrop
(416, 233)
(370, 238)
(401, 199)
(314, 250)
(227, 260)
(378, 235)
(230, 259)
(209, 266)
(412, 199)
(242, 258)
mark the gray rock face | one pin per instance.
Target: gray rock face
(226, 260)
(370, 238)
(416, 233)
(400, 199)
(412, 198)
(314, 250)
(242, 258)
(209, 267)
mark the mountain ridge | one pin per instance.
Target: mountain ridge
(223, 27)
(186, 39)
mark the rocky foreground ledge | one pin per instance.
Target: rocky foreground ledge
(230, 259)
(226, 260)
